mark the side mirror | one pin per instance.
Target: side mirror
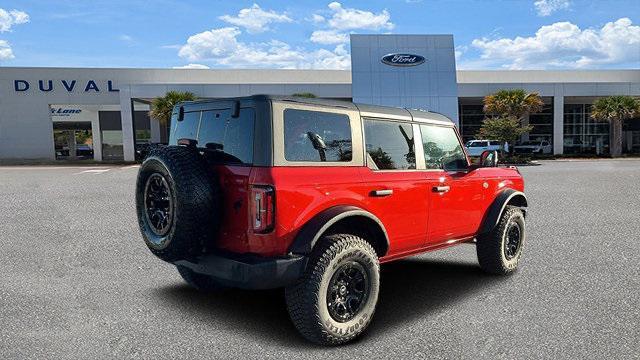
(489, 158)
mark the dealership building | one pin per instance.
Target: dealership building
(102, 114)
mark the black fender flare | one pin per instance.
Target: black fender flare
(504, 198)
(311, 232)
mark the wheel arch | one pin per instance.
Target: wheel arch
(504, 198)
(342, 219)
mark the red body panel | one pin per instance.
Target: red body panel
(415, 217)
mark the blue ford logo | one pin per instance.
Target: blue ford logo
(403, 59)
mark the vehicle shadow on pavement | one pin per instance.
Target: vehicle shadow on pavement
(409, 288)
(416, 287)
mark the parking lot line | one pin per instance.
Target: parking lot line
(92, 171)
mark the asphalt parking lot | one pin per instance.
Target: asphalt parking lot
(78, 282)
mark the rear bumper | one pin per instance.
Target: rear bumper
(249, 272)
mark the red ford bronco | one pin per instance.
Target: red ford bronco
(312, 195)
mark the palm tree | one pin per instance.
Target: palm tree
(162, 107)
(615, 110)
(515, 103)
(505, 111)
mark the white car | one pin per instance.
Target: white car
(477, 147)
(534, 147)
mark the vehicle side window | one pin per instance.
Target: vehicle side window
(316, 136)
(390, 144)
(185, 129)
(495, 143)
(442, 149)
(231, 137)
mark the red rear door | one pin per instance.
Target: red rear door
(397, 192)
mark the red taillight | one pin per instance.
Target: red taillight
(262, 208)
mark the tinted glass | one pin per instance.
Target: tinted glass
(495, 143)
(316, 136)
(185, 129)
(442, 149)
(390, 144)
(231, 137)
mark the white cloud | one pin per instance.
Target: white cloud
(349, 19)
(329, 37)
(10, 18)
(344, 19)
(192, 66)
(210, 44)
(255, 19)
(5, 51)
(317, 18)
(126, 38)
(222, 47)
(459, 51)
(565, 45)
(548, 7)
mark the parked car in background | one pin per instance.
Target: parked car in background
(533, 147)
(84, 150)
(477, 147)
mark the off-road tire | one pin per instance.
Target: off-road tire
(490, 248)
(197, 281)
(196, 203)
(307, 299)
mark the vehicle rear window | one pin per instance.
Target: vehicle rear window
(442, 148)
(390, 145)
(316, 136)
(185, 129)
(231, 138)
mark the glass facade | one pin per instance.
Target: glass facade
(542, 123)
(471, 116)
(111, 135)
(583, 134)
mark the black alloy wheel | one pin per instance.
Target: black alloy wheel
(512, 241)
(348, 290)
(158, 203)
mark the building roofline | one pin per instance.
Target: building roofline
(547, 76)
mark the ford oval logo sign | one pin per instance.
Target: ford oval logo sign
(403, 59)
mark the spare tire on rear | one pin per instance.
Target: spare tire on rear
(177, 201)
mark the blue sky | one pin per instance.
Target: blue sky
(516, 34)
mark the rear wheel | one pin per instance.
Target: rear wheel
(335, 299)
(499, 252)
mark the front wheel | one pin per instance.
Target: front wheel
(499, 252)
(335, 299)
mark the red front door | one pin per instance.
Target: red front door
(456, 205)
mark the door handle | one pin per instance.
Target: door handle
(441, 189)
(385, 192)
